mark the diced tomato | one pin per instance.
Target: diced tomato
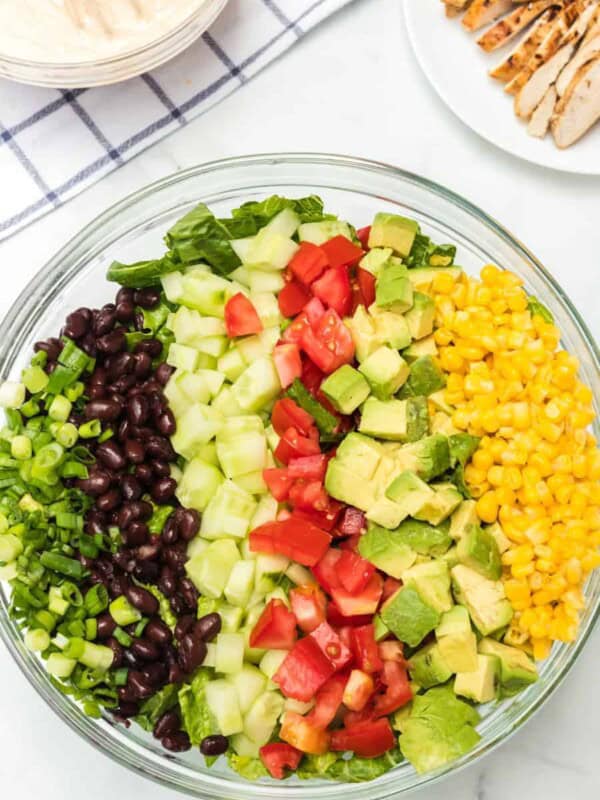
(314, 310)
(365, 602)
(365, 650)
(353, 718)
(358, 690)
(363, 236)
(350, 542)
(303, 734)
(334, 289)
(311, 468)
(293, 538)
(337, 619)
(341, 252)
(279, 482)
(287, 414)
(293, 445)
(308, 496)
(308, 262)
(309, 605)
(325, 519)
(366, 284)
(365, 739)
(293, 333)
(328, 701)
(330, 643)
(275, 629)
(326, 572)
(392, 650)
(241, 318)
(329, 344)
(398, 692)
(354, 572)
(353, 522)
(279, 756)
(287, 363)
(312, 377)
(390, 587)
(303, 671)
(292, 298)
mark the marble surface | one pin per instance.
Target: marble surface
(351, 87)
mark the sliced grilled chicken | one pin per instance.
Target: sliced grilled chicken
(585, 53)
(507, 28)
(593, 28)
(511, 66)
(451, 11)
(532, 94)
(579, 108)
(540, 119)
(483, 12)
(459, 5)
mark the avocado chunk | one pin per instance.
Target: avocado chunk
(360, 453)
(408, 616)
(385, 371)
(462, 446)
(386, 419)
(439, 402)
(442, 423)
(417, 418)
(457, 641)
(450, 557)
(424, 347)
(425, 539)
(386, 512)
(375, 259)
(481, 684)
(425, 377)
(445, 500)
(500, 537)
(409, 491)
(517, 670)
(392, 230)
(485, 599)
(432, 580)
(478, 549)
(429, 457)
(346, 389)
(428, 667)
(421, 316)
(385, 473)
(364, 334)
(391, 328)
(464, 518)
(393, 290)
(386, 551)
(380, 629)
(345, 485)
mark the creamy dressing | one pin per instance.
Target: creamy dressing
(59, 31)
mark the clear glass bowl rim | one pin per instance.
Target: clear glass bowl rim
(22, 316)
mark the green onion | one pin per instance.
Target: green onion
(21, 447)
(69, 520)
(10, 547)
(74, 647)
(56, 602)
(12, 394)
(325, 422)
(157, 521)
(91, 628)
(60, 408)
(39, 359)
(82, 454)
(76, 628)
(61, 378)
(90, 429)
(13, 419)
(123, 612)
(60, 666)
(119, 676)
(30, 408)
(139, 628)
(66, 566)
(106, 435)
(96, 600)
(72, 594)
(46, 619)
(75, 391)
(35, 379)
(72, 356)
(37, 640)
(67, 434)
(122, 637)
(73, 469)
(88, 547)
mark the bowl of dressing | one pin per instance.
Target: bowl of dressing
(83, 43)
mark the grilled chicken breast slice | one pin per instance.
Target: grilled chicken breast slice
(512, 24)
(579, 108)
(529, 43)
(540, 119)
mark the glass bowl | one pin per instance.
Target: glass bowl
(84, 74)
(354, 189)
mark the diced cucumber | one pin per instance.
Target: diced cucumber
(252, 482)
(228, 513)
(271, 661)
(178, 400)
(299, 575)
(278, 593)
(270, 250)
(208, 453)
(267, 308)
(251, 348)
(240, 275)
(205, 292)
(321, 232)
(226, 404)
(261, 280)
(198, 484)
(257, 385)
(196, 546)
(249, 683)
(231, 616)
(285, 223)
(241, 247)
(272, 437)
(269, 337)
(239, 425)
(240, 584)
(213, 346)
(196, 426)
(245, 453)
(193, 386)
(222, 702)
(266, 511)
(229, 657)
(252, 654)
(262, 717)
(266, 567)
(211, 654)
(182, 356)
(172, 284)
(244, 746)
(189, 326)
(213, 379)
(231, 364)
(210, 570)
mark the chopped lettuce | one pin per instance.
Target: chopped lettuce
(309, 209)
(252, 769)
(196, 719)
(154, 707)
(350, 770)
(199, 236)
(535, 307)
(164, 607)
(424, 253)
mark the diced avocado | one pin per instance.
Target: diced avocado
(450, 557)
(347, 486)
(517, 670)
(346, 388)
(391, 328)
(432, 580)
(500, 537)
(439, 507)
(410, 492)
(439, 401)
(375, 259)
(417, 413)
(408, 616)
(442, 423)
(360, 453)
(484, 599)
(480, 684)
(428, 667)
(515, 636)
(425, 377)
(384, 474)
(385, 371)
(456, 640)
(464, 518)
(478, 549)
(386, 551)
(392, 230)
(393, 290)
(462, 446)
(429, 457)
(425, 539)
(422, 277)
(386, 512)
(421, 316)
(386, 419)
(364, 333)
(424, 347)
(380, 629)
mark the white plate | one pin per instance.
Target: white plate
(458, 70)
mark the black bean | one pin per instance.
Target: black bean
(160, 468)
(175, 556)
(157, 673)
(109, 453)
(148, 552)
(126, 694)
(169, 533)
(51, 347)
(138, 322)
(132, 661)
(163, 490)
(192, 653)
(175, 673)
(88, 344)
(138, 409)
(143, 510)
(127, 514)
(108, 500)
(105, 321)
(207, 627)
(96, 391)
(147, 298)
(143, 472)
(106, 410)
(105, 626)
(142, 600)
(124, 295)
(117, 652)
(189, 592)
(121, 364)
(76, 325)
(124, 430)
(98, 376)
(176, 742)
(124, 384)
(124, 311)
(188, 523)
(112, 342)
(96, 484)
(146, 571)
(159, 447)
(143, 365)
(50, 367)
(120, 583)
(130, 488)
(214, 745)
(166, 423)
(134, 451)
(140, 684)
(105, 566)
(135, 534)
(163, 373)
(126, 710)
(158, 631)
(151, 346)
(145, 649)
(168, 723)
(167, 582)
(184, 626)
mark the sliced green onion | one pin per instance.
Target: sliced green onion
(67, 519)
(12, 394)
(35, 379)
(73, 469)
(75, 391)
(106, 435)
(61, 378)
(60, 408)
(10, 547)
(56, 602)
(90, 429)
(21, 447)
(76, 628)
(123, 612)
(82, 454)
(122, 637)
(37, 640)
(72, 356)
(60, 666)
(30, 408)
(119, 676)
(13, 419)
(72, 594)
(46, 619)
(66, 566)
(74, 647)
(96, 600)
(140, 627)
(39, 359)
(91, 628)
(67, 434)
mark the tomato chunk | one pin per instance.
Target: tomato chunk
(366, 284)
(304, 671)
(303, 734)
(275, 629)
(365, 649)
(338, 620)
(365, 602)
(308, 467)
(329, 343)
(241, 318)
(334, 289)
(308, 496)
(354, 572)
(362, 234)
(294, 538)
(308, 262)
(398, 692)
(287, 363)
(279, 482)
(294, 445)
(332, 646)
(279, 756)
(292, 298)
(328, 701)
(309, 605)
(325, 519)
(341, 252)
(365, 739)
(325, 571)
(353, 522)
(287, 414)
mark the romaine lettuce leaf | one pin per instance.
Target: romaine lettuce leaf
(250, 768)
(309, 209)
(196, 719)
(154, 707)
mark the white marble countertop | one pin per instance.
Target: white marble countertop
(350, 87)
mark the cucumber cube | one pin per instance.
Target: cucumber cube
(250, 683)
(198, 484)
(267, 308)
(196, 546)
(231, 616)
(240, 275)
(266, 511)
(193, 386)
(270, 250)
(189, 326)
(252, 654)
(229, 657)
(226, 404)
(181, 356)
(172, 284)
(210, 571)
(246, 453)
(244, 746)
(252, 348)
(285, 223)
(241, 247)
(262, 717)
(252, 482)
(271, 661)
(211, 653)
(228, 513)
(178, 401)
(240, 584)
(205, 292)
(257, 385)
(213, 346)
(213, 380)
(195, 428)
(321, 232)
(231, 364)
(300, 575)
(261, 280)
(239, 425)
(269, 567)
(208, 453)
(222, 702)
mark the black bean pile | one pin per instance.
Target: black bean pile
(132, 467)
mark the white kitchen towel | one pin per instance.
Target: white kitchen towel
(55, 143)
